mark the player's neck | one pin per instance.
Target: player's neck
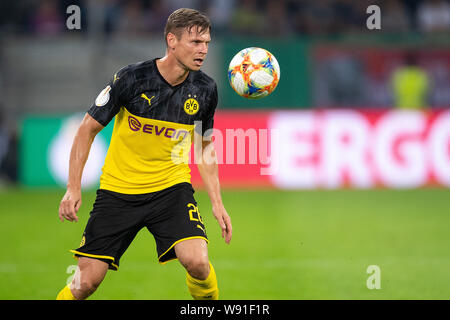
(171, 71)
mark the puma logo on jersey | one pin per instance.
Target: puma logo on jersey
(149, 100)
(203, 229)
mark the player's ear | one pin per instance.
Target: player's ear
(171, 40)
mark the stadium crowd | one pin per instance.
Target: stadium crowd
(244, 17)
(338, 82)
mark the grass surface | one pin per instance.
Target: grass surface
(286, 245)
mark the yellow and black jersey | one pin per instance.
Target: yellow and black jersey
(154, 126)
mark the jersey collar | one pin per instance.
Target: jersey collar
(165, 81)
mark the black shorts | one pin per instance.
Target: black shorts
(171, 215)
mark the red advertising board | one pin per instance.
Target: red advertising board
(238, 142)
(335, 148)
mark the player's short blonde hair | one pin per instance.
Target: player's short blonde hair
(185, 18)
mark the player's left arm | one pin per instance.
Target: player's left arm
(208, 168)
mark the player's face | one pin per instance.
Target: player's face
(191, 49)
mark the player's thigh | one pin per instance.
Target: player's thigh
(90, 273)
(175, 221)
(192, 253)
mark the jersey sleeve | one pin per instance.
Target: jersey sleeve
(208, 118)
(111, 98)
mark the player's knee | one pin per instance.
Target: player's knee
(84, 288)
(198, 268)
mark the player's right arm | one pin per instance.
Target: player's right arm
(79, 153)
(105, 107)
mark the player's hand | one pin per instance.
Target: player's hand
(224, 221)
(69, 206)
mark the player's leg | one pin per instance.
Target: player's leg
(111, 228)
(193, 255)
(88, 276)
(200, 276)
(180, 234)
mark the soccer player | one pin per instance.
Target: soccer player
(159, 106)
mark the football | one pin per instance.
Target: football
(254, 73)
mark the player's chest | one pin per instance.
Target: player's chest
(182, 105)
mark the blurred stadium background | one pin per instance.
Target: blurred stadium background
(358, 176)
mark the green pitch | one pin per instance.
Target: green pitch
(286, 245)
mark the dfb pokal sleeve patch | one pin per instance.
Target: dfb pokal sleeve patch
(103, 97)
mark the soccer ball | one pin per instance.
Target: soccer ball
(254, 73)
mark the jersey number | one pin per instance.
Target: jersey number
(194, 214)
